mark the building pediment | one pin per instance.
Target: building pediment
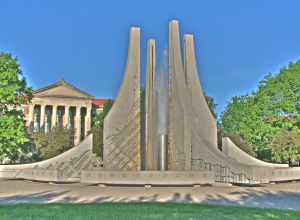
(61, 89)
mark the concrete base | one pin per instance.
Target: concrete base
(65, 167)
(160, 178)
(49, 175)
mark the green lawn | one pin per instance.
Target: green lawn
(131, 211)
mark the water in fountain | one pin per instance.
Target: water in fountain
(162, 95)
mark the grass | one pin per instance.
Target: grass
(140, 211)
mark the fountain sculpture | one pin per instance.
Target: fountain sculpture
(172, 139)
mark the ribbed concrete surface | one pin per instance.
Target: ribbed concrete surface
(179, 116)
(150, 106)
(122, 125)
(69, 164)
(231, 165)
(234, 152)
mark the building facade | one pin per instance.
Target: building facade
(62, 105)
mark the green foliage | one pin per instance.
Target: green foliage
(14, 142)
(13, 88)
(99, 118)
(54, 142)
(286, 146)
(275, 105)
(265, 154)
(242, 116)
(212, 105)
(98, 141)
(97, 129)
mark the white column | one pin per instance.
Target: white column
(30, 116)
(42, 117)
(36, 122)
(66, 116)
(54, 116)
(77, 125)
(88, 120)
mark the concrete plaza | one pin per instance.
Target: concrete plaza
(284, 195)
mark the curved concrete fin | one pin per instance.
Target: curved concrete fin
(150, 105)
(203, 119)
(122, 125)
(233, 151)
(80, 156)
(179, 129)
(236, 165)
(175, 59)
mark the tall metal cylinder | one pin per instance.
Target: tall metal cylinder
(163, 152)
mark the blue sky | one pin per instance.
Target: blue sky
(85, 42)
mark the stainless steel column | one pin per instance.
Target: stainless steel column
(163, 152)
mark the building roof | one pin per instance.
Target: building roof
(62, 83)
(99, 102)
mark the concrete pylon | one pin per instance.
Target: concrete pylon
(122, 125)
(204, 124)
(179, 148)
(150, 105)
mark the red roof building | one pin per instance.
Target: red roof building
(98, 104)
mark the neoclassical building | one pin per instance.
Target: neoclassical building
(62, 105)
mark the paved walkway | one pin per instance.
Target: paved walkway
(285, 195)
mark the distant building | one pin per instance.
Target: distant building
(63, 105)
(98, 104)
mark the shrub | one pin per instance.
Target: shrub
(54, 142)
(97, 130)
(98, 141)
(286, 146)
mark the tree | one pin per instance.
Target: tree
(286, 146)
(243, 116)
(54, 142)
(98, 121)
(14, 141)
(97, 129)
(275, 105)
(212, 105)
